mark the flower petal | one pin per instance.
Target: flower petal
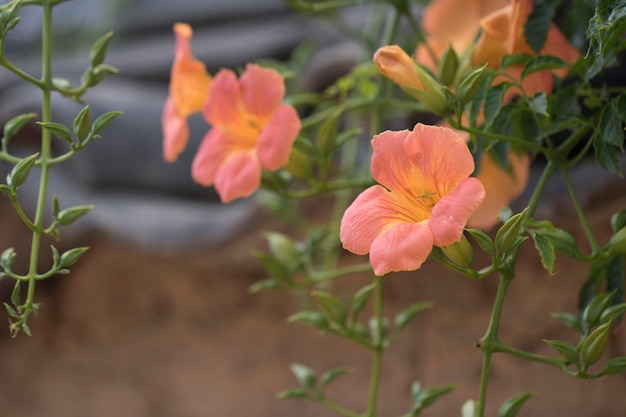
(175, 131)
(390, 165)
(451, 213)
(223, 106)
(404, 247)
(262, 90)
(238, 177)
(214, 150)
(277, 137)
(365, 220)
(189, 80)
(441, 155)
(500, 186)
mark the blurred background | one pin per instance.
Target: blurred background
(156, 320)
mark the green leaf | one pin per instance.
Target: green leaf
(618, 220)
(448, 65)
(273, 267)
(404, 317)
(104, 120)
(304, 375)
(282, 248)
(20, 171)
(359, 300)
(16, 294)
(613, 313)
(614, 366)
(538, 23)
(607, 155)
(327, 133)
(512, 406)
(82, 124)
(470, 86)
(332, 308)
(99, 49)
(264, 284)
(604, 33)
(56, 257)
(299, 164)
(546, 251)
(310, 318)
(592, 347)
(58, 130)
(16, 124)
(539, 104)
(333, 374)
(517, 59)
(610, 127)
(566, 350)
(542, 63)
(568, 319)
(10, 310)
(493, 102)
(7, 258)
(426, 398)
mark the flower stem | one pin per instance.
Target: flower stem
(378, 348)
(46, 116)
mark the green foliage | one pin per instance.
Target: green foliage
(605, 35)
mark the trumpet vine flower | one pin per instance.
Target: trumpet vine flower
(424, 198)
(189, 87)
(251, 130)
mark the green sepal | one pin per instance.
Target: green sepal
(72, 256)
(58, 130)
(71, 214)
(566, 350)
(512, 406)
(304, 375)
(16, 294)
(507, 236)
(404, 317)
(330, 376)
(469, 87)
(614, 366)
(293, 393)
(332, 308)
(104, 120)
(99, 49)
(16, 124)
(314, 319)
(20, 171)
(592, 347)
(82, 124)
(483, 240)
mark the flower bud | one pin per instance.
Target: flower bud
(508, 234)
(617, 244)
(398, 66)
(448, 65)
(461, 253)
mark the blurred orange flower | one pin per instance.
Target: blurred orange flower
(189, 87)
(425, 198)
(251, 130)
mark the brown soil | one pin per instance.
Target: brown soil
(133, 333)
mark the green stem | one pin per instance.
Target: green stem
(378, 348)
(511, 139)
(500, 347)
(490, 340)
(595, 247)
(337, 408)
(46, 116)
(340, 272)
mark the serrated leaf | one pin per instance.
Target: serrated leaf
(610, 127)
(607, 155)
(517, 59)
(604, 33)
(538, 23)
(512, 406)
(493, 102)
(542, 63)
(546, 251)
(333, 374)
(566, 350)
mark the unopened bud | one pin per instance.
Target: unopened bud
(461, 253)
